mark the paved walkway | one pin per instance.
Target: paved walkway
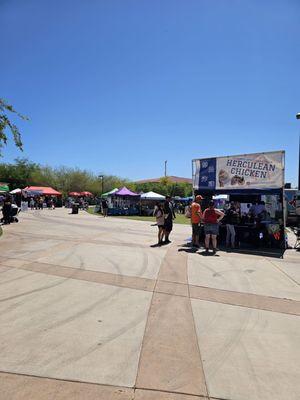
(88, 310)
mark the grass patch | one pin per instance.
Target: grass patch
(180, 218)
(91, 209)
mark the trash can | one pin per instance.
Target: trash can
(75, 208)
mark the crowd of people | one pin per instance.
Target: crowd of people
(164, 214)
(208, 220)
(40, 202)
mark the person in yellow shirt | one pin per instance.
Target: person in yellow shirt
(196, 215)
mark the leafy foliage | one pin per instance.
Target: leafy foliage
(5, 123)
(26, 173)
(165, 187)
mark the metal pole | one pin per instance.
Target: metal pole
(101, 177)
(299, 166)
(166, 168)
(298, 117)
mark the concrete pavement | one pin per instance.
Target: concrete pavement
(88, 310)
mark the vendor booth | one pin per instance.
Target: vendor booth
(45, 193)
(148, 201)
(254, 184)
(110, 193)
(4, 188)
(125, 202)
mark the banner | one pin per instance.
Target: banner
(248, 171)
(205, 173)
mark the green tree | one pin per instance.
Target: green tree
(18, 174)
(6, 124)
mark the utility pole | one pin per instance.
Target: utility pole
(166, 168)
(298, 117)
(299, 165)
(101, 177)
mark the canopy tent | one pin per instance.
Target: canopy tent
(74, 194)
(110, 193)
(221, 197)
(86, 194)
(16, 191)
(125, 192)
(152, 196)
(45, 191)
(3, 187)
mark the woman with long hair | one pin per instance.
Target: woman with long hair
(160, 220)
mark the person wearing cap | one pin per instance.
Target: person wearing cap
(196, 215)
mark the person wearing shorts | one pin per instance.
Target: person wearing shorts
(196, 215)
(160, 220)
(211, 219)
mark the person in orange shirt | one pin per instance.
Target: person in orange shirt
(196, 215)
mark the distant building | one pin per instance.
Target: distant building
(172, 179)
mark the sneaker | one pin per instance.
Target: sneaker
(206, 251)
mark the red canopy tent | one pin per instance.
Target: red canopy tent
(75, 194)
(46, 191)
(86, 194)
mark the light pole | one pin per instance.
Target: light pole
(298, 117)
(101, 177)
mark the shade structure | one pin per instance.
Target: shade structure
(75, 194)
(16, 191)
(221, 197)
(86, 194)
(152, 196)
(3, 187)
(125, 192)
(45, 191)
(110, 193)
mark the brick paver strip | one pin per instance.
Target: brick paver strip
(158, 395)
(93, 276)
(249, 300)
(174, 267)
(23, 387)
(170, 359)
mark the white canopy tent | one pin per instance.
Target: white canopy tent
(152, 196)
(15, 191)
(221, 197)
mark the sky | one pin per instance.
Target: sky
(120, 86)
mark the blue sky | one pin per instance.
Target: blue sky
(120, 86)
